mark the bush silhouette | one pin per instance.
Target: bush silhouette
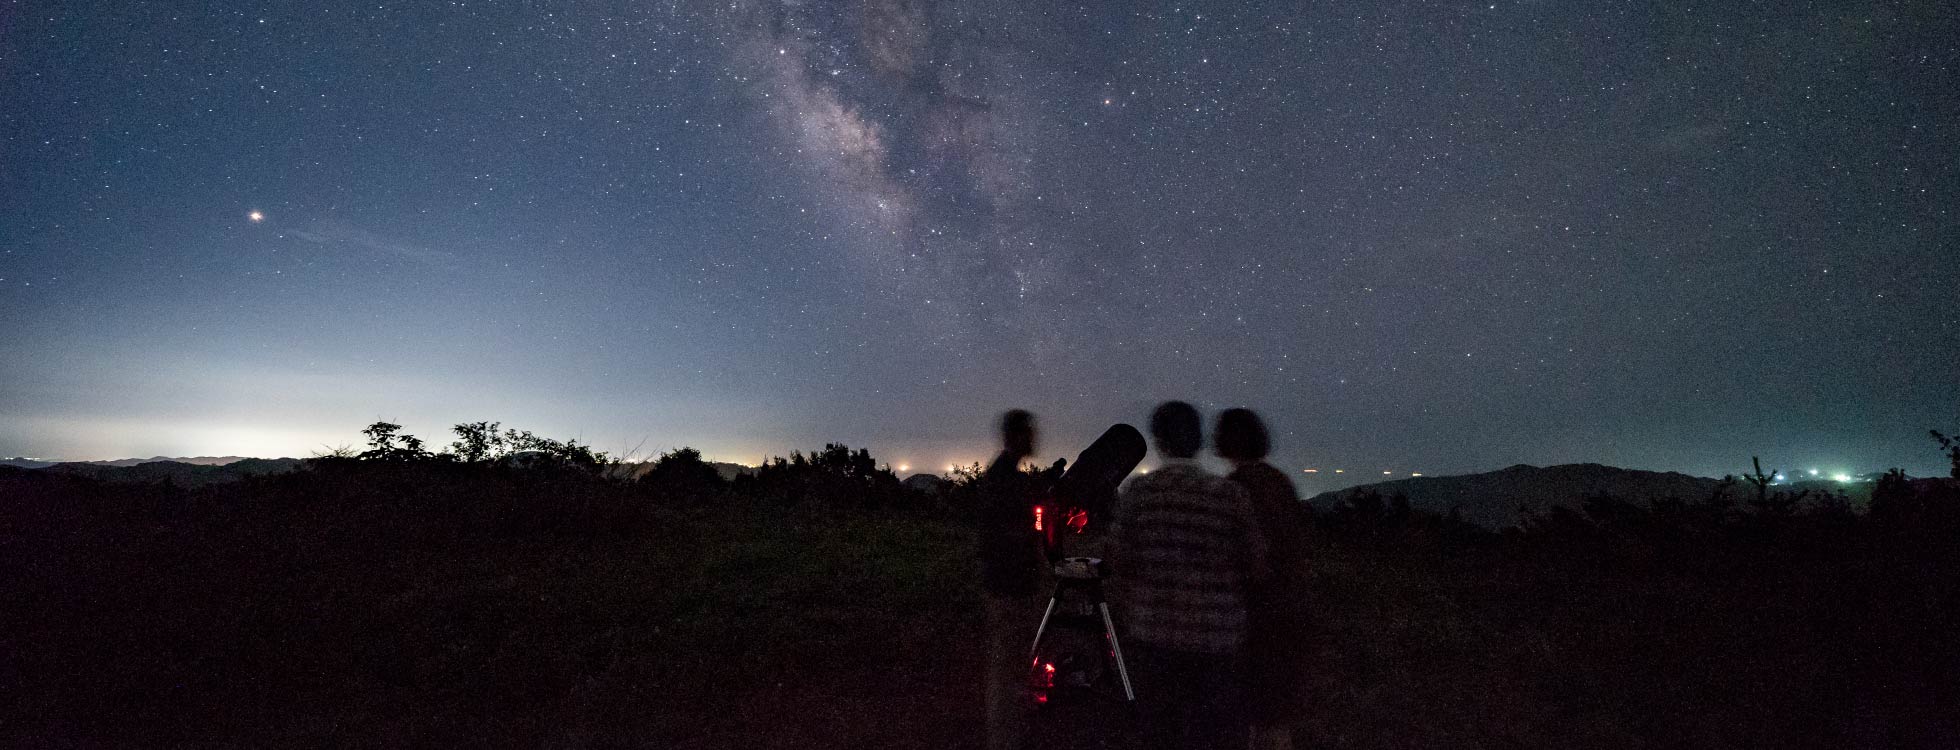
(681, 474)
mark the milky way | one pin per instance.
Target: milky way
(913, 121)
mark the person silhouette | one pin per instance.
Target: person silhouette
(1277, 607)
(1010, 565)
(1187, 545)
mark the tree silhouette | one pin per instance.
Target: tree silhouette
(1952, 447)
(1893, 498)
(386, 442)
(478, 441)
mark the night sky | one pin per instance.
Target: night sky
(1415, 237)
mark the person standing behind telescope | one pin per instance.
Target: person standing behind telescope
(1278, 625)
(1186, 549)
(1010, 566)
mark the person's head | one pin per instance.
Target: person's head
(1177, 430)
(1240, 437)
(1017, 432)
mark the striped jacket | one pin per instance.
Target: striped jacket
(1185, 547)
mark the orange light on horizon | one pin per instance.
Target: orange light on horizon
(1311, 471)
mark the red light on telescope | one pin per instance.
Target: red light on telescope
(1037, 518)
(1044, 680)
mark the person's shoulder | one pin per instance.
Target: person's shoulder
(1211, 480)
(1271, 477)
(1269, 471)
(1002, 463)
(1140, 483)
(1004, 471)
(1232, 492)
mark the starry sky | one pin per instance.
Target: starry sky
(1436, 237)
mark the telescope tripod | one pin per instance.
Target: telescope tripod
(1078, 586)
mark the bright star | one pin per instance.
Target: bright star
(256, 216)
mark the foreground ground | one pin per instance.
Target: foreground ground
(321, 611)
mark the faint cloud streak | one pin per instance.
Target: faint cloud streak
(335, 233)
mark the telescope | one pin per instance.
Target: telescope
(1076, 626)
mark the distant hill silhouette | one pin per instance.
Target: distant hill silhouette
(928, 483)
(1492, 499)
(35, 463)
(180, 471)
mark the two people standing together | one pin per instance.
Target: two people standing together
(1210, 584)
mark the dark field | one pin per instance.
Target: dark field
(373, 604)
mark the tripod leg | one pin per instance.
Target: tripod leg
(1043, 627)
(1116, 647)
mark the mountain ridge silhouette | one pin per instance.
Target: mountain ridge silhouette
(1493, 499)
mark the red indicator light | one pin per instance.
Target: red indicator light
(1078, 519)
(1037, 518)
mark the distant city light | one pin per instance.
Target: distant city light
(1143, 471)
(1415, 473)
(1340, 471)
(1841, 477)
(1311, 471)
(1813, 472)
(904, 467)
(1387, 473)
